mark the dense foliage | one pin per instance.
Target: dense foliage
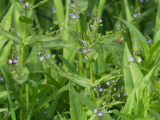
(79, 59)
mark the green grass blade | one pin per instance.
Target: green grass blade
(9, 96)
(157, 25)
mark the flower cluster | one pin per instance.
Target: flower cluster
(14, 60)
(98, 112)
(83, 48)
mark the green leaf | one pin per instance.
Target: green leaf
(33, 39)
(83, 5)
(153, 50)
(130, 102)
(133, 77)
(57, 44)
(11, 36)
(155, 114)
(31, 109)
(80, 80)
(25, 19)
(3, 94)
(76, 110)
(39, 4)
(91, 105)
(125, 116)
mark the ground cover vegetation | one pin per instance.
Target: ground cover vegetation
(79, 59)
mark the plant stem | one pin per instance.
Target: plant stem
(91, 77)
(80, 54)
(22, 112)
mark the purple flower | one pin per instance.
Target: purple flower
(1, 78)
(39, 53)
(10, 61)
(17, 34)
(67, 20)
(14, 61)
(72, 5)
(149, 41)
(135, 15)
(108, 83)
(99, 20)
(104, 111)
(119, 95)
(135, 46)
(124, 94)
(5, 112)
(131, 59)
(89, 50)
(53, 10)
(84, 94)
(84, 42)
(92, 26)
(77, 17)
(99, 114)
(18, 57)
(100, 89)
(26, 3)
(95, 110)
(147, 0)
(133, 39)
(94, 89)
(62, 28)
(140, 59)
(77, 2)
(141, 1)
(84, 51)
(23, 6)
(41, 58)
(72, 15)
(112, 81)
(139, 14)
(69, 1)
(79, 48)
(48, 55)
(18, 63)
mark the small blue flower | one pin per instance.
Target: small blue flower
(131, 59)
(26, 3)
(1, 78)
(149, 41)
(53, 10)
(89, 50)
(84, 51)
(17, 34)
(99, 114)
(41, 58)
(92, 26)
(99, 20)
(135, 46)
(108, 83)
(69, 1)
(72, 15)
(112, 81)
(14, 61)
(104, 111)
(10, 61)
(135, 15)
(140, 59)
(141, 1)
(95, 110)
(18, 57)
(133, 39)
(84, 42)
(79, 48)
(100, 89)
(72, 5)
(94, 89)
(48, 55)
(119, 95)
(124, 94)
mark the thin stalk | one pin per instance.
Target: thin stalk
(22, 112)
(91, 78)
(80, 54)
